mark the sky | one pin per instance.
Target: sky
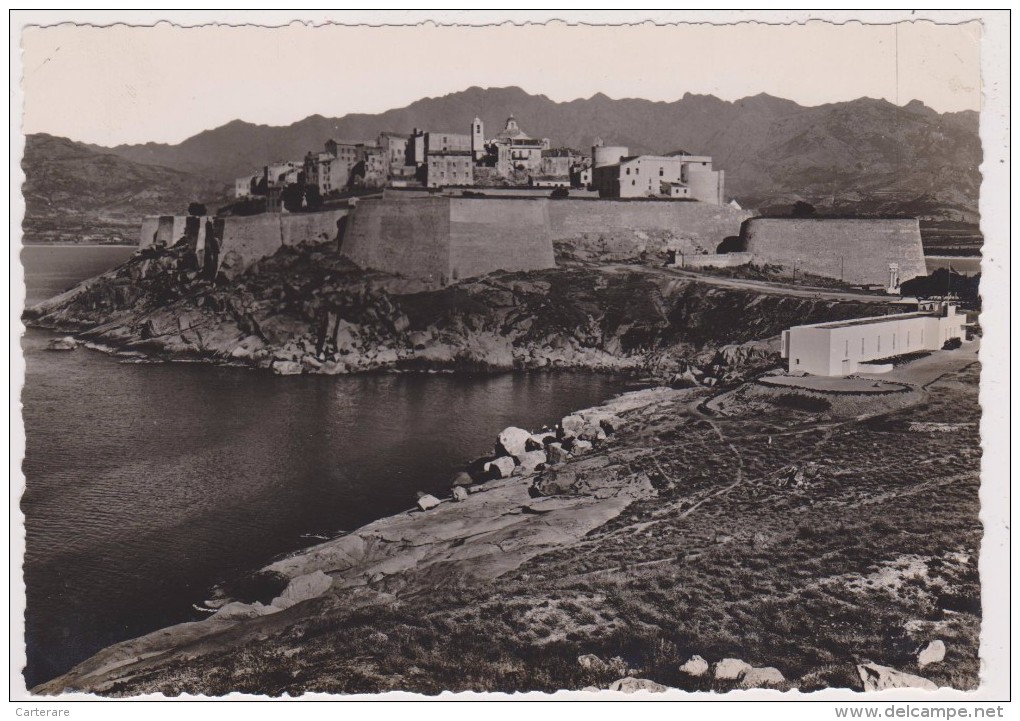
(124, 84)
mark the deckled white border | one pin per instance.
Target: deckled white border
(995, 217)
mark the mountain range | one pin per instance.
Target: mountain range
(863, 155)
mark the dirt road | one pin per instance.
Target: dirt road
(797, 291)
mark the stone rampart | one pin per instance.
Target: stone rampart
(407, 236)
(161, 230)
(695, 227)
(248, 239)
(713, 260)
(441, 239)
(488, 235)
(857, 250)
(296, 228)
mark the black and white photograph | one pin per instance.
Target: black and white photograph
(657, 359)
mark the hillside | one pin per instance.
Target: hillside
(77, 194)
(891, 159)
(806, 532)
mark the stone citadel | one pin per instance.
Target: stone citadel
(444, 206)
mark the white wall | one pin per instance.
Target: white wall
(821, 351)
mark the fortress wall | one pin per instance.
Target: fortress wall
(298, 228)
(408, 236)
(147, 234)
(702, 226)
(864, 247)
(166, 230)
(249, 239)
(492, 234)
(715, 260)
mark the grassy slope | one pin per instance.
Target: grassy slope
(870, 557)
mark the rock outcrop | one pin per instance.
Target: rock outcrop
(308, 310)
(875, 677)
(763, 677)
(731, 669)
(632, 685)
(695, 666)
(64, 344)
(513, 441)
(934, 652)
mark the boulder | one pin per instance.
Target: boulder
(934, 652)
(591, 662)
(731, 669)
(502, 467)
(303, 588)
(346, 338)
(538, 441)
(460, 493)
(531, 460)
(512, 441)
(426, 502)
(237, 609)
(462, 479)
(591, 689)
(875, 677)
(333, 368)
(65, 343)
(611, 424)
(571, 426)
(631, 684)
(419, 339)
(555, 453)
(580, 447)
(696, 666)
(286, 368)
(761, 677)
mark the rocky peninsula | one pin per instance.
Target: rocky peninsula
(307, 309)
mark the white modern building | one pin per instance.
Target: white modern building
(839, 348)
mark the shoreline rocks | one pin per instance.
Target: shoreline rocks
(876, 677)
(66, 343)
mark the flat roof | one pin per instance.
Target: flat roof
(871, 320)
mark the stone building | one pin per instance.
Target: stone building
(478, 150)
(443, 158)
(394, 146)
(558, 161)
(659, 176)
(280, 175)
(515, 150)
(327, 172)
(449, 167)
(580, 174)
(447, 142)
(244, 187)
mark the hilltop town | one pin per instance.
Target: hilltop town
(511, 158)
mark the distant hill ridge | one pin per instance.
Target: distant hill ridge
(862, 154)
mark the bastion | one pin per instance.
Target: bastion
(858, 251)
(447, 238)
(443, 239)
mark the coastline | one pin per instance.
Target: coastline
(373, 565)
(550, 525)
